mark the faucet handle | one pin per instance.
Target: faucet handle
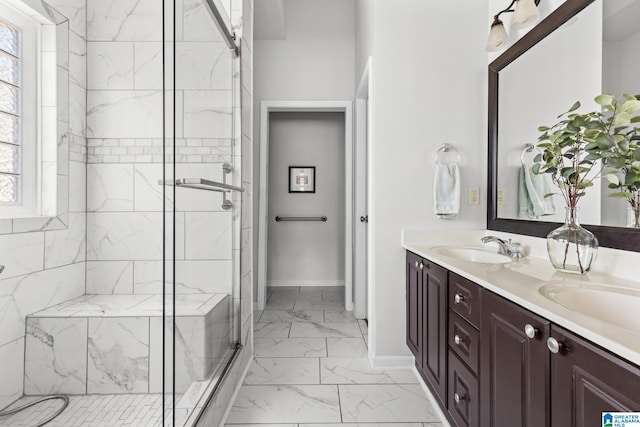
(515, 249)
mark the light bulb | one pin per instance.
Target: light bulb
(526, 11)
(498, 36)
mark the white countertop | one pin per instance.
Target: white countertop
(520, 281)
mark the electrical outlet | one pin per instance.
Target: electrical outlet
(474, 196)
(500, 197)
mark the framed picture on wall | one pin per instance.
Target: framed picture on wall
(302, 179)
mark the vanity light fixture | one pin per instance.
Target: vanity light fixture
(525, 12)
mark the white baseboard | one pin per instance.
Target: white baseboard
(276, 283)
(432, 399)
(400, 362)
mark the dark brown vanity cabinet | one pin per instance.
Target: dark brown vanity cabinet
(587, 380)
(427, 321)
(464, 351)
(514, 365)
(492, 363)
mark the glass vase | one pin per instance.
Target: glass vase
(572, 249)
(633, 213)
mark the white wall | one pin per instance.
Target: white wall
(307, 253)
(314, 62)
(429, 88)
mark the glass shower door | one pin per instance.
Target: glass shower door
(202, 207)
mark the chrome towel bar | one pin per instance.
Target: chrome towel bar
(301, 218)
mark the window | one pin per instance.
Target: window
(19, 118)
(10, 73)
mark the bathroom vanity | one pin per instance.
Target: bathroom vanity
(498, 345)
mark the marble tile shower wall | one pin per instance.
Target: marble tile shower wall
(125, 129)
(45, 268)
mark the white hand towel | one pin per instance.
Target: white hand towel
(446, 190)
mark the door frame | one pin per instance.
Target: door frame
(267, 107)
(363, 132)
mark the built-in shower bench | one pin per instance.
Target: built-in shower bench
(114, 343)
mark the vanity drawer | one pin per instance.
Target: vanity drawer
(464, 299)
(464, 340)
(464, 394)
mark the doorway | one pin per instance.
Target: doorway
(266, 222)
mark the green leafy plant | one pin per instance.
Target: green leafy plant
(574, 152)
(622, 159)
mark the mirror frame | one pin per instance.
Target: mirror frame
(612, 237)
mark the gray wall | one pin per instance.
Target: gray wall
(307, 253)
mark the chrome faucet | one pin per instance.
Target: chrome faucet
(508, 248)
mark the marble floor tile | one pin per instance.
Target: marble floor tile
(346, 347)
(256, 315)
(272, 316)
(358, 371)
(279, 304)
(339, 316)
(271, 330)
(325, 330)
(283, 370)
(386, 403)
(364, 327)
(290, 347)
(322, 305)
(286, 404)
(282, 289)
(263, 425)
(307, 296)
(365, 425)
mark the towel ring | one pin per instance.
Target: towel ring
(528, 148)
(447, 148)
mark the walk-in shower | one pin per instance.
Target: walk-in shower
(147, 333)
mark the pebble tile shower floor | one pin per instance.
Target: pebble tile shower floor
(311, 370)
(95, 410)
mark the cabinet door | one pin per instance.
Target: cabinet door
(414, 306)
(514, 369)
(434, 329)
(587, 381)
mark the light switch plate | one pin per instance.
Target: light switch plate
(474, 196)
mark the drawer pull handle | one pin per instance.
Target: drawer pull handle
(554, 346)
(457, 339)
(458, 298)
(457, 398)
(530, 331)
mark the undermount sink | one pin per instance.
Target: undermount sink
(614, 305)
(477, 254)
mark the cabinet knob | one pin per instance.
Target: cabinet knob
(421, 266)
(457, 339)
(417, 264)
(458, 298)
(530, 331)
(457, 398)
(553, 345)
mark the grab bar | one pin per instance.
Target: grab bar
(301, 218)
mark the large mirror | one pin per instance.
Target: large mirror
(583, 49)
